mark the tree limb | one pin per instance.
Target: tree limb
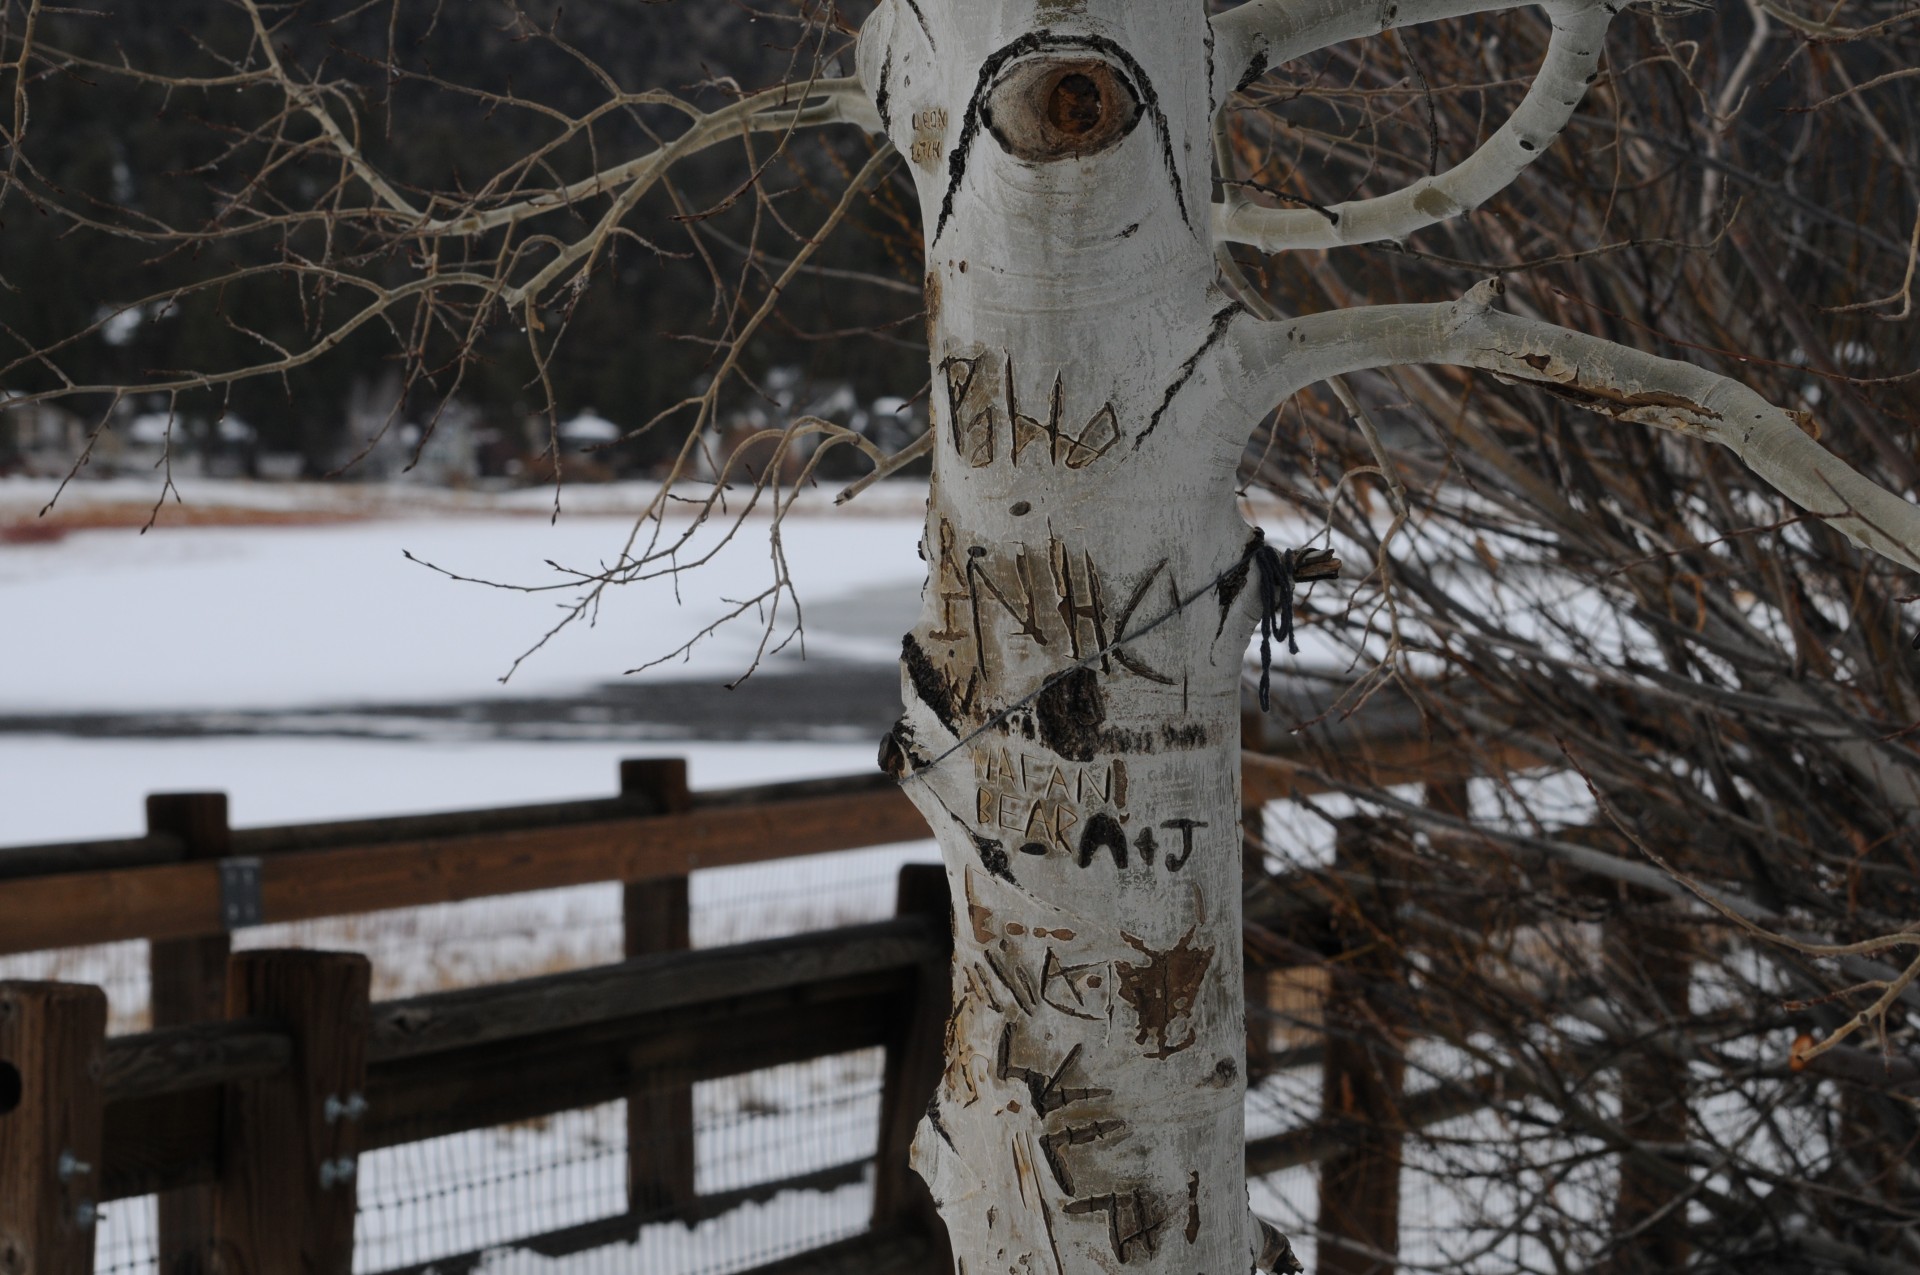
(1611, 379)
(1579, 32)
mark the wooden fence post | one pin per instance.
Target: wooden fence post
(51, 1039)
(660, 1140)
(1648, 955)
(188, 982)
(286, 1196)
(1364, 1074)
(916, 1057)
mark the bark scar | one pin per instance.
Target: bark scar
(1128, 1220)
(1641, 407)
(1162, 992)
(1076, 1135)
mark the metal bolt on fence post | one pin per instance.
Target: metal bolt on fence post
(87, 1215)
(69, 1166)
(337, 1172)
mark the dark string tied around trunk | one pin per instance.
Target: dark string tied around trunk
(1276, 596)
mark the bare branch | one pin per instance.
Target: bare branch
(1599, 375)
(1579, 32)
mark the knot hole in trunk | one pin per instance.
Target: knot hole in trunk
(1047, 109)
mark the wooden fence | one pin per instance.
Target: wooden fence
(268, 1073)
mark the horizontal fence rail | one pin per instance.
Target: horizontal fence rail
(156, 888)
(451, 861)
(453, 1061)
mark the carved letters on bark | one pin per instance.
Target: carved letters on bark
(1051, 595)
(988, 421)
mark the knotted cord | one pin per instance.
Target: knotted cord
(1276, 594)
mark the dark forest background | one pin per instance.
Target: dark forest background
(638, 339)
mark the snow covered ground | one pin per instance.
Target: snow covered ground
(265, 617)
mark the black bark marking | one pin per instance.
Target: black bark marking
(1215, 333)
(1070, 713)
(938, 690)
(1193, 1207)
(1046, 40)
(1103, 832)
(1162, 992)
(1212, 105)
(1176, 736)
(1228, 591)
(900, 753)
(993, 857)
(883, 95)
(938, 1125)
(925, 30)
(1186, 827)
(1255, 69)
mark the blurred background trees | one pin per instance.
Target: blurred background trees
(159, 172)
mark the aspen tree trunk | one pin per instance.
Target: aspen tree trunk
(1084, 787)
(1072, 687)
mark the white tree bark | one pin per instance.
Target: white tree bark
(1072, 687)
(1084, 786)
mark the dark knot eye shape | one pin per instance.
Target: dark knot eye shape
(1048, 109)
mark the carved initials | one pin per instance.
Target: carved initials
(975, 409)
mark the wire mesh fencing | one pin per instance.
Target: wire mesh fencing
(553, 1194)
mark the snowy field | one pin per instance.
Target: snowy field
(281, 616)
